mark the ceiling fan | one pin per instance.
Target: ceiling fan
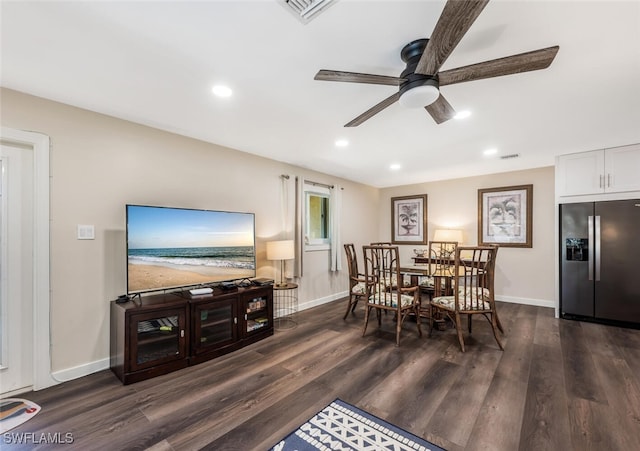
(419, 83)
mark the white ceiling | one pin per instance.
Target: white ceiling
(155, 63)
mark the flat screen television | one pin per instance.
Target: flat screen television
(179, 247)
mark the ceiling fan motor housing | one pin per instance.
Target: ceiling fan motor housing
(411, 54)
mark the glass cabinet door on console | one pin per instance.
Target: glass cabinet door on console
(157, 338)
(257, 314)
(214, 324)
(157, 334)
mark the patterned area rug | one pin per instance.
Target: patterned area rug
(341, 426)
(15, 411)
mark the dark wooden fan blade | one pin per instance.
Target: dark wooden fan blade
(373, 111)
(354, 77)
(455, 20)
(440, 110)
(523, 62)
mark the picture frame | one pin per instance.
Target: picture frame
(505, 216)
(409, 219)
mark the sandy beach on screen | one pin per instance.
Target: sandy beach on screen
(148, 277)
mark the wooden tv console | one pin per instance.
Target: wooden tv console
(157, 334)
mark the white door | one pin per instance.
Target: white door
(16, 269)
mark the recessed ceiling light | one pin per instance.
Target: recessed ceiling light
(222, 91)
(395, 167)
(342, 143)
(462, 114)
(490, 151)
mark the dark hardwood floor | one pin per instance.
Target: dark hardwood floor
(559, 385)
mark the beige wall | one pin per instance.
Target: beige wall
(99, 164)
(524, 275)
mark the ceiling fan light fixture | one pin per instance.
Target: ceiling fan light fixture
(420, 96)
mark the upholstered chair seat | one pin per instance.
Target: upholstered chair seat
(473, 291)
(386, 290)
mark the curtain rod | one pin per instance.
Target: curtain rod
(284, 176)
(318, 184)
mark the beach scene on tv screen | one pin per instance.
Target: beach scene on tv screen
(169, 247)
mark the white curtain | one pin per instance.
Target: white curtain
(285, 209)
(335, 207)
(297, 221)
(288, 212)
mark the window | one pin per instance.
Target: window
(317, 226)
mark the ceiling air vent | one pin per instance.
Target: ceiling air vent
(305, 10)
(507, 157)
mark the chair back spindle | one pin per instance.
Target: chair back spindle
(357, 285)
(473, 273)
(385, 290)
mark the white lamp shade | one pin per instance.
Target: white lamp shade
(280, 250)
(419, 97)
(448, 235)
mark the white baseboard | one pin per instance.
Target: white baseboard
(527, 301)
(320, 301)
(511, 299)
(81, 370)
(103, 364)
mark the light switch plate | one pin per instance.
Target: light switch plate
(86, 232)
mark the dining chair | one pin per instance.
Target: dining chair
(357, 280)
(382, 267)
(473, 292)
(441, 263)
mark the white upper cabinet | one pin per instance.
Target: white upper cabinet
(600, 171)
(622, 166)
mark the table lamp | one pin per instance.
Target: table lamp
(280, 250)
(448, 235)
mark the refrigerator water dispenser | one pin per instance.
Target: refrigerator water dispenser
(577, 249)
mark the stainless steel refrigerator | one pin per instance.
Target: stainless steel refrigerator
(600, 261)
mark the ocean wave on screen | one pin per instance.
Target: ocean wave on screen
(212, 263)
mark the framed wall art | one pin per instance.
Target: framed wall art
(409, 219)
(504, 216)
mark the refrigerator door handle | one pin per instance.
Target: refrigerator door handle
(597, 246)
(591, 241)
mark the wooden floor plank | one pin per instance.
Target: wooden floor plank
(499, 420)
(516, 359)
(299, 405)
(545, 423)
(469, 390)
(547, 328)
(581, 378)
(532, 396)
